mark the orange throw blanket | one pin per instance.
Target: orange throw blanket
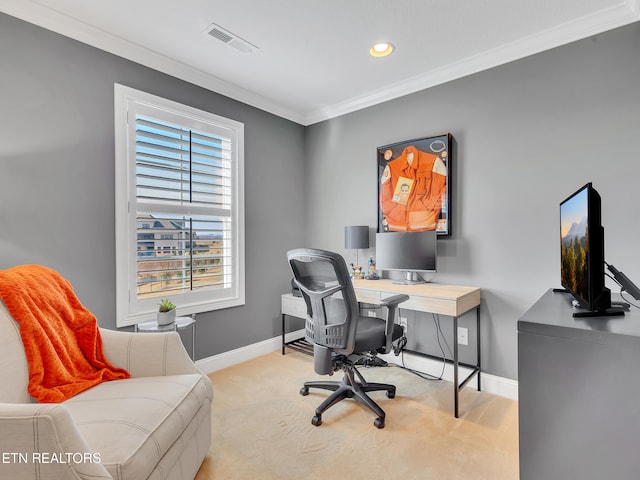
(61, 338)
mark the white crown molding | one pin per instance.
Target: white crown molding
(625, 13)
(50, 19)
(577, 29)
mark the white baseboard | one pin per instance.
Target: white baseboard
(242, 354)
(504, 387)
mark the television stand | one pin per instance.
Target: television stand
(609, 312)
(624, 305)
(578, 393)
(616, 309)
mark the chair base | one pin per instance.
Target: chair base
(371, 361)
(349, 387)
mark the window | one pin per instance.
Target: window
(179, 207)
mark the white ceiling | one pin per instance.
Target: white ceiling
(312, 60)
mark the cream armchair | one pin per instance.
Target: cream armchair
(154, 425)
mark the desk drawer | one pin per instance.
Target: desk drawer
(440, 306)
(294, 306)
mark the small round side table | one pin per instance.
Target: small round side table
(179, 324)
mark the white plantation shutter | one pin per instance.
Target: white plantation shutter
(181, 172)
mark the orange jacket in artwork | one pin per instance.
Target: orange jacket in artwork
(411, 191)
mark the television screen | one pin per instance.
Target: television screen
(574, 219)
(582, 252)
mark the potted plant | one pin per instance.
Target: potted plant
(166, 312)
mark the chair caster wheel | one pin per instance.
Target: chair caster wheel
(304, 391)
(391, 394)
(378, 422)
(316, 420)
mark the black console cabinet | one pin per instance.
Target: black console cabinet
(578, 393)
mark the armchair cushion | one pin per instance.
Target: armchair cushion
(140, 419)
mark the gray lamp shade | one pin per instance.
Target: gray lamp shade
(356, 236)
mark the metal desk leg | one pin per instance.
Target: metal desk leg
(283, 334)
(478, 346)
(477, 370)
(456, 389)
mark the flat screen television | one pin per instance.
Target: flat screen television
(582, 253)
(412, 253)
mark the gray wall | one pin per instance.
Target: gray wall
(57, 177)
(528, 134)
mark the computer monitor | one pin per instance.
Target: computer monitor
(411, 253)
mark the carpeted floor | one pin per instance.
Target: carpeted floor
(261, 428)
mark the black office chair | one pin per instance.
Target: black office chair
(339, 334)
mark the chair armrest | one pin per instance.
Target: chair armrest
(392, 304)
(394, 300)
(42, 441)
(147, 354)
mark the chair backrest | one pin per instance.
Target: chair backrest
(332, 307)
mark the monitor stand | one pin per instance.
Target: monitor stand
(410, 278)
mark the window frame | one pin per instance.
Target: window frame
(129, 309)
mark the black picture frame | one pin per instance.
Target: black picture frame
(414, 185)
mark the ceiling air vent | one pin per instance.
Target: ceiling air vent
(225, 36)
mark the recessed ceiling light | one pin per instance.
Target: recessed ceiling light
(381, 49)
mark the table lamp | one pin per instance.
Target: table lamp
(356, 237)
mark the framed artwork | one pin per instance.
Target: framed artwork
(414, 191)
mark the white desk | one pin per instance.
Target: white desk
(449, 300)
